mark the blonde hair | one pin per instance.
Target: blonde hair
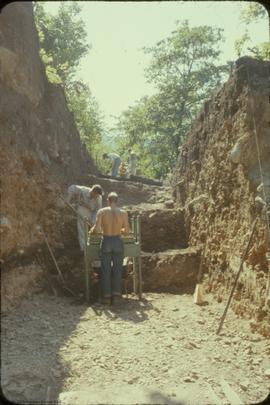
(113, 197)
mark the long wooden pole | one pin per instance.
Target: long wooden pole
(52, 256)
(139, 259)
(237, 276)
(56, 265)
(86, 263)
(73, 209)
(134, 229)
(47, 277)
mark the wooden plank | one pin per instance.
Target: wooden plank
(230, 394)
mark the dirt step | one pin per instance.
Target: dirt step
(134, 179)
(161, 229)
(170, 271)
(129, 192)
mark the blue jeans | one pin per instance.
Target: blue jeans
(115, 166)
(112, 251)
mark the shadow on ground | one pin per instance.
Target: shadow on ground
(130, 310)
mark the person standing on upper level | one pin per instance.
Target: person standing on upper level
(116, 161)
(133, 161)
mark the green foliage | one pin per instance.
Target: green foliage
(86, 112)
(62, 38)
(252, 13)
(185, 71)
(240, 43)
(63, 45)
(261, 51)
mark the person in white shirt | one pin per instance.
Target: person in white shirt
(133, 161)
(87, 201)
(116, 162)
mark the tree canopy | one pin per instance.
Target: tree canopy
(252, 13)
(63, 44)
(184, 69)
(63, 40)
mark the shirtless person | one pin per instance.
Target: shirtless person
(111, 222)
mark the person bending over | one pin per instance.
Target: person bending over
(116, 162)
(87, 202)
(112, 222)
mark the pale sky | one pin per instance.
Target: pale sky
(114, 67)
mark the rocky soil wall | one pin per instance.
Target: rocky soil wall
(161, 229)
(40, 145)
(218, 185)
(173, 271)
(41, 152)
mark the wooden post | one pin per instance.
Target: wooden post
(54, 260)
(139, 258)
(134, 229)
(237, 276)
(86, 262)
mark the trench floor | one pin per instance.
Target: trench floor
(163, 349)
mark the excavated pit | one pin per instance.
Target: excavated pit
(167, 263)
(173, 271)
(161, 229)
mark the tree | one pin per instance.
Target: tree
(62, 46)
(136, 128)
(252, 13)
(185, 70)
(62, 40)
(86, 113)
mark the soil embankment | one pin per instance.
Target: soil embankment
(217, 187)
(41, 152)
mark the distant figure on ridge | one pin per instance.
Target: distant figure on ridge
(116, 161)
(123, 170)
(133, 161)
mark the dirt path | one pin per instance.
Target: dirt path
(160, 350)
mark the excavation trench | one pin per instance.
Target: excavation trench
(52, 342)
(50, 315)
(57, 347)
(168, 264)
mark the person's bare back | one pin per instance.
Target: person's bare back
(111, 220)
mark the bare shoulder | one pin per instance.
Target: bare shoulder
(123, 212)
(102, 210)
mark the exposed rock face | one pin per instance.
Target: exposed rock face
(41, 153)
(218, 184)
(40, 145)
